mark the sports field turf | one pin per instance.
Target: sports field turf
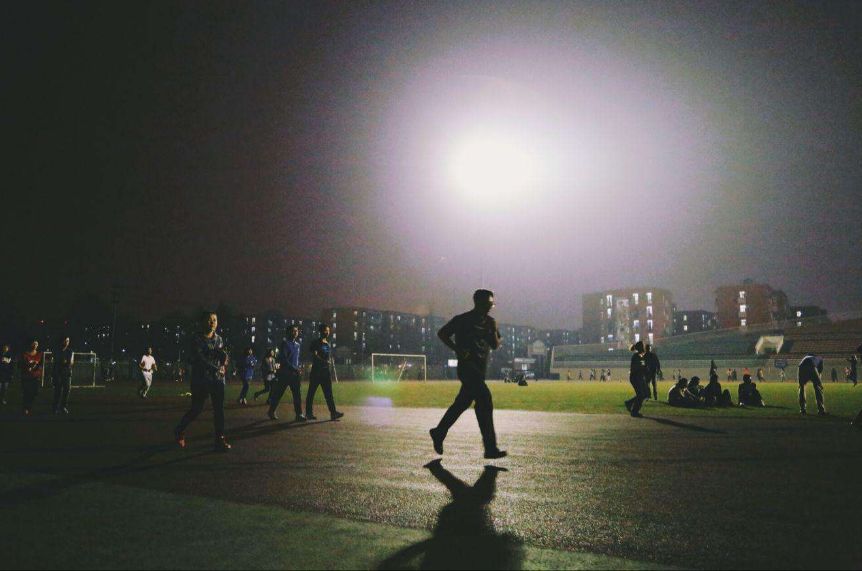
(105, 487)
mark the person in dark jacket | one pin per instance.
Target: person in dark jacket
(7, 366)
(321, 375)
(64, 359)
(246, 373)
(811, 369)
(638, 374)
(680, 396)
(747, 393)
(695, 389)
(712, 393)
(476, 335)
(854, 369)
(288, 375)
(654, 368)
(208, 360)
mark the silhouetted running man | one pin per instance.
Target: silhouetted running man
(811, 369)
(464, 536)
(475, 335)
(638, 372)
(208, 361)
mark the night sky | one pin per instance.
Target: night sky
(296, 155)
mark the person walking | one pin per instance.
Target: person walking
(321, 374)
(653, 368)
(31, 373)
(63, 362)
(638, 373)
(246, 373)
(288, 375)
(208, 360)
(268, 369)
(148, 366)
(854, 369)
(475, 336)
(7, 365)
(811, 369)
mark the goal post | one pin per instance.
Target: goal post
(398, 367)
(84, 369)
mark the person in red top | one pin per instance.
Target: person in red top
(32, 361)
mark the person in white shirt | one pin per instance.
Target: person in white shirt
(148, 367)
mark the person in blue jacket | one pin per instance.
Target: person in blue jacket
(246, 373)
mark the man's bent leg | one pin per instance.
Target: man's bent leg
(462, 402)
(200, 393)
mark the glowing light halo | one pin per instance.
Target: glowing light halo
(493, 167)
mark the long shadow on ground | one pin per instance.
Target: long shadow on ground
(464, 537)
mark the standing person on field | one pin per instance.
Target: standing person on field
(208, 360)
(7, 364)
(476, 335)
(31, 373)
(288, 375)
(638, 373)
(148, 367)
(246, 373)
(63, 362)
(653, 369)
(268, 369)
(854, 369)
(321, 374)
(811, 369)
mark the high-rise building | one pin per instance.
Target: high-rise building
(750, 303)
(693, 321)
(621, 317)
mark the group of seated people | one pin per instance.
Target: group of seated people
(690, 394)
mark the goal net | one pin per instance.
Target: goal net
(398, 367)
(84, 369)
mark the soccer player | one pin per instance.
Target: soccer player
(246, 372)
(7, 364)
(208, 360)
(31, 374)
(811, 369)
(63, 362)
(148, 367)
(653, 368)
(267, 370)
(289, 373)
(321, 374)
(638, 372)
(476, 335)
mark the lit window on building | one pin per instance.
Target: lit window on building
(743, 322)
(651, 339)
(649, 324)
(610, 299)
(798, 324)
(637, 337)
(741, 295)
(649, 297)
(636, 324)
(742, 308)
(685, 317)
(798, 314)
(609, 313)
(685, 327)
(649, 311)
(636, 296)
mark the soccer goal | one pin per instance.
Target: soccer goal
(83, 370)
(398, 367)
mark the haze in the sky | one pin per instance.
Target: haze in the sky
(400, 155)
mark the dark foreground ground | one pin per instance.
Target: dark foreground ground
(105, 488)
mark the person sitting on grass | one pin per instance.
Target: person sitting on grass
(695, 389)
(713, 395)
(679, 395)
(748, 394)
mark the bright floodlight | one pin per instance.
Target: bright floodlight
(492, 168)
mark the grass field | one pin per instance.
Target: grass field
(842, 400)
(107, 488)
